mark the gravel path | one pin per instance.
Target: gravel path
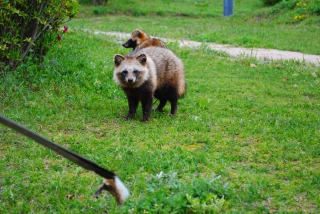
(259, 53)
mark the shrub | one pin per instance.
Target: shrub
(270, 2)
(29, 28)
(315, 7)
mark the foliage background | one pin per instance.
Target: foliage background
(30, 28)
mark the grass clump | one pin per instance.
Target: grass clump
(167, 193)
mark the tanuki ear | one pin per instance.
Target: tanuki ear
(136, 33)
(118, 59)
(142, 58)
(139, 33)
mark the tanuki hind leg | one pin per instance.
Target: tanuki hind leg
(174, 106)
(165, 94)
(163, 102)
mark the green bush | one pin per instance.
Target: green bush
(315, 7)
(270, 2)
(29, 28)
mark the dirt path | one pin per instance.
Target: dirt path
(259, 53)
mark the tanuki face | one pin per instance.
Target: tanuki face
(130, 71)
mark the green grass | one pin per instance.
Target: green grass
(251, 26)
(245, 139)
(202, 8)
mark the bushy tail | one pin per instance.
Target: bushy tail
(182, 89)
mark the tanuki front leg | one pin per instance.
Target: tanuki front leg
(163, 102)
(146, 102)
(133, 104)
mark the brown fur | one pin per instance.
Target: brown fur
(147, 73)
(139, 39)
(151, 42)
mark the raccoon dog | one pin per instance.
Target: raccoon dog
(147, 73)
(140, 39)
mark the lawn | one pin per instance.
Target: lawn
(251, 26)
(245, 138)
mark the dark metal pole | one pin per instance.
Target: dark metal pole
(81, 161)
(228, 7)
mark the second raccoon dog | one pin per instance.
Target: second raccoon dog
(140, 39)
(147, 73)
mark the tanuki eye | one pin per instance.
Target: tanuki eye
(124, 73)
(136, 72)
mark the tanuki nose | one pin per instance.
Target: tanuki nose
(126, 45)
(130, 80)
